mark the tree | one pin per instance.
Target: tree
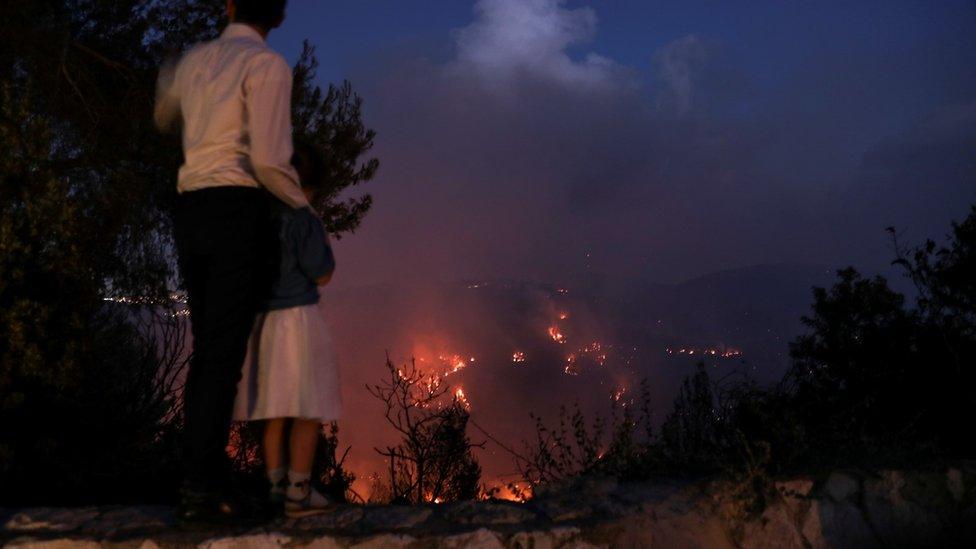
(692, 434)
(333, 124)
(853, 373)
(945, 282)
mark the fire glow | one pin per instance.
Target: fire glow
(729, 352)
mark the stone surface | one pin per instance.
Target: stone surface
(842, 487)
(482, 513)
(394, 517)
(547, 539)
(562, 510)
(833, 524)
(343, 518)
(50, 520)
(251, 541)
(885, 508)
(775, 528)
(482, 539)
(385, 541)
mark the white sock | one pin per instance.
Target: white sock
(275, 477)
(299, 485)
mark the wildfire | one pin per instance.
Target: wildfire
(556, 335)
(720, 353)
(513, 491)
(454, 363)
(595, 351)
(460, 397)
(563, 316)
(518, 356)
(571, 365)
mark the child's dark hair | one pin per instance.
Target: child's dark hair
(267, 14)
(310, 165)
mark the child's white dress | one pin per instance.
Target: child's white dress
(291, 369)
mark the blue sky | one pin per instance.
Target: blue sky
(667, 138)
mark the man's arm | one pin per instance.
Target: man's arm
(268, 89)
(167, 110)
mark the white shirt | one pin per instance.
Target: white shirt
(234, 95)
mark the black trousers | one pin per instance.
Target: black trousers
(226, 250)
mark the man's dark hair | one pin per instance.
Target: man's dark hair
(267, 14)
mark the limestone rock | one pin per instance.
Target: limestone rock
(395, 517)
(561, 510)
(386, 541)
(775, 528)
(842, 510)
(50, 519)
(898, 520)
(66, 543)
(340, 519)
(251, 541)
(324, 542)
(546, 539)
(482, 513)
(121, 520)
(842, 487)
(833, 524)
(480, 539)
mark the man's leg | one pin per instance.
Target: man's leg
(229, 312)
(219, 236)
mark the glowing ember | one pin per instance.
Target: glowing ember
(454, 363)
(518, 356)
(563, 316)
(459, 396)
(556, 335)
(572, 367)
(720, 353)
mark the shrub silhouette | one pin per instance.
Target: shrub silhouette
(433, 461)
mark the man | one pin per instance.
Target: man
(233, 95)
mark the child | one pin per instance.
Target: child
(291, 375)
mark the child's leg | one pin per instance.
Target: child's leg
(302, 443)
(274, 455)
(302, 499)
(274, 443)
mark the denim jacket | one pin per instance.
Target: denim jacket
(305, 256)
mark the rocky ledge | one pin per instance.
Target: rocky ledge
(843, 509)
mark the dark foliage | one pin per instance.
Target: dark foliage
(332, 123)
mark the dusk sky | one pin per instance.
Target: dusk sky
(663, 139)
